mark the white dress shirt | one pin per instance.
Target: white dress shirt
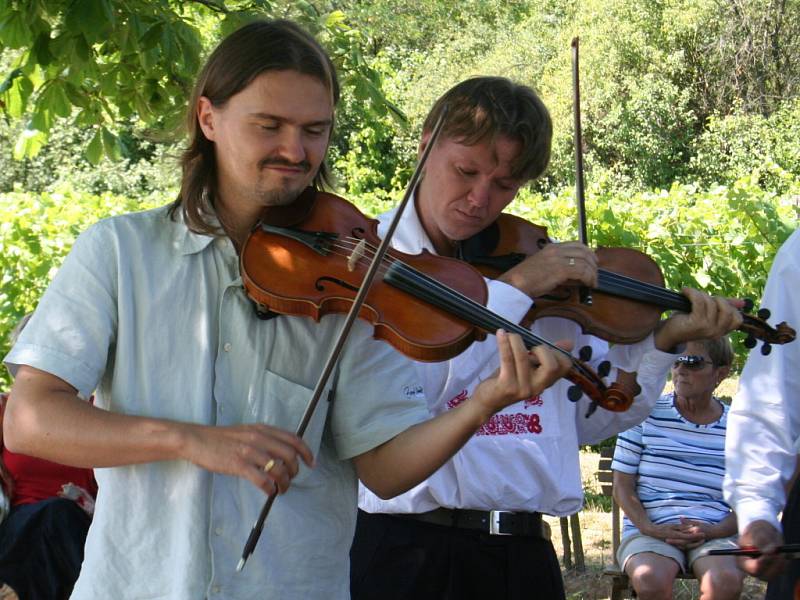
(526, 457)
(764, 420)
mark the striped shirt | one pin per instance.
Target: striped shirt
(679, 466)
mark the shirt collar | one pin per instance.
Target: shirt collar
(186, 241)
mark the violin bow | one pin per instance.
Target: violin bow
(333, 357)
(585, 293)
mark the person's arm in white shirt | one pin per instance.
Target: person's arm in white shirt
(764, 420)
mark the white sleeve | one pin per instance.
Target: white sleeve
(764, 421)
(651, 367)
(444, 380)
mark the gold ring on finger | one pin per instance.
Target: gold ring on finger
(269, 466)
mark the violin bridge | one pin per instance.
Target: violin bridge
(356, 255)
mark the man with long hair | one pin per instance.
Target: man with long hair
(196, 396)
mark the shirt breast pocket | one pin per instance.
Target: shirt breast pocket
(280, 402)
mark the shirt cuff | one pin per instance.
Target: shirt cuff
(656, 361)
(507, 301)
(756, 510)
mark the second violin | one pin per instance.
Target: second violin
(628, 301)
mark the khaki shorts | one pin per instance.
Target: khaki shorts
(638, 543)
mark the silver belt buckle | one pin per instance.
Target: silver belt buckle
(494, 522)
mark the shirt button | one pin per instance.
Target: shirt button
(218, 531)
(222, 242)
(216, 589)
(227, 347)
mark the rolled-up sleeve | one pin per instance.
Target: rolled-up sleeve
(378, 395)
(72, 329)
(628, 453)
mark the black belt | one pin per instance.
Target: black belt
(494, 522)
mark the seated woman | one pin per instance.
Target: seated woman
(42, 537)
(668, 475)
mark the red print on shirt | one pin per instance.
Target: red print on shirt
(505, 424)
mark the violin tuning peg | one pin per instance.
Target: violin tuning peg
(604, 368)
(750, 342)
(763, 313)
(766, 348)
(574, 393)
(748, 305)
(585, 353)
(591, 409)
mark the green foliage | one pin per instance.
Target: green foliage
(146, 169)
(736, 145)
(103, 62)
(596, 502)
(36, 233)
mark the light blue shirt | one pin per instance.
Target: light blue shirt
(154, 318)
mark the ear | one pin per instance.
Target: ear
(423, 143)
(205, 117)
(722, 373)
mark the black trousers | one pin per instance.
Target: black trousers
(400, 558)
(41, 548)
(782, 587)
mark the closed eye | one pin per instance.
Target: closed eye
(316, 131)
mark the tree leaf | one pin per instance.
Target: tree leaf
(29, 143)
(14, 30)
(54, 99)
(94, 151)
(111, 144)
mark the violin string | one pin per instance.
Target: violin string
(626, 290)
(424, 280)
(657, 293)
(610, 282)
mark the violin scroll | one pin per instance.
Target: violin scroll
(616, 397)
(757, 328)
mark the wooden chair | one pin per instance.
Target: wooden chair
(620, 584)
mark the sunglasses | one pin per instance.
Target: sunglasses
(691, 362)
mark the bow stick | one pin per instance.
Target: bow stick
(585, 294)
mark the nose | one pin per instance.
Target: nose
(291, 145)
(479, 194)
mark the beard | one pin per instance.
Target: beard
(279, 196)
(287, 189)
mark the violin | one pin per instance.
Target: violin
(629, 298)
(309, 258)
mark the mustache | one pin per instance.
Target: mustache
(282, 162)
